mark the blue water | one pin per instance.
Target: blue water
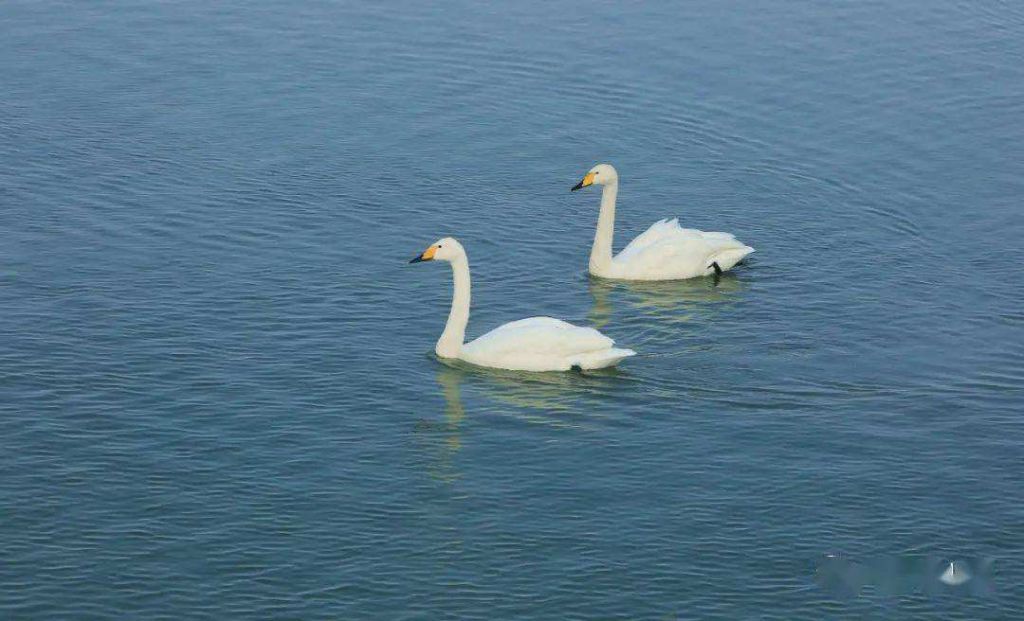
(218, 398)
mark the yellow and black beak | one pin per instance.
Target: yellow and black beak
(428, 255)
(587, 180)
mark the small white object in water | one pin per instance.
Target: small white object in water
(955, 574)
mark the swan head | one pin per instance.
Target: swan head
(602, 174)
(444, 249)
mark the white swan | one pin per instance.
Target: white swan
(665, 251)
(534, 344)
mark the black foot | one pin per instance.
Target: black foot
(718, 272)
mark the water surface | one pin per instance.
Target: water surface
(219, 398)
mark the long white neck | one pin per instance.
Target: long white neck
(450, 343)
(601, 251)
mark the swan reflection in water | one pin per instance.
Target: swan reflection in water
(556, 400)
(547, 398)
(667, 301)
(444, 437)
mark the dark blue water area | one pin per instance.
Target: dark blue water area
(218, 392)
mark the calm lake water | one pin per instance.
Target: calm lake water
(218, 397)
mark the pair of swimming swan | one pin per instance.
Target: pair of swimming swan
(665, 251)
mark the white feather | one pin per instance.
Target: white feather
(533, 344)
(665, 251)
(542, 344)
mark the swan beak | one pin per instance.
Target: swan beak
(428, 255)
(588, 180)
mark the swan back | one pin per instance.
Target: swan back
(666, 251)
(543, 344)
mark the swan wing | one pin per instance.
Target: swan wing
(668, 250)
(670, 229)
(543, 344)
(655, 233)
(539, 336)
(535, 322)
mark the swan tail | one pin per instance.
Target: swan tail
(728, 257)
(603, 358)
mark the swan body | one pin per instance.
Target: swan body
(665, 251)
(533, 344)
